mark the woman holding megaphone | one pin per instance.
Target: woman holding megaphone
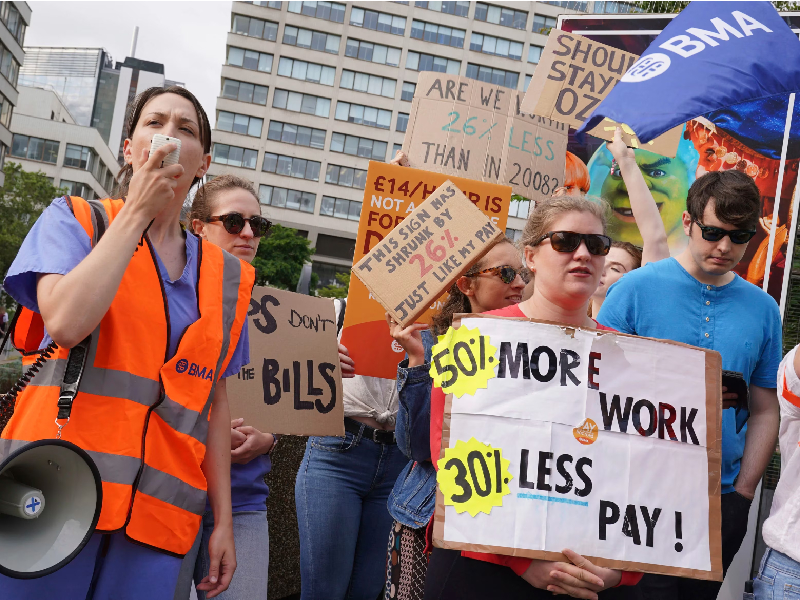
(161, 316)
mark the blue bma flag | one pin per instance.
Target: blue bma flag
(711, 56)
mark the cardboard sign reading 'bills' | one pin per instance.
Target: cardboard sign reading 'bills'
(573, 76)
(426, 253)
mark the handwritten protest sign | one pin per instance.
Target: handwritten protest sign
(422, 257)
(558, 438)
(293, 384)
(392, 193)
(468, 128)
(573, 76)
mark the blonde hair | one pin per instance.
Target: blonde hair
(542, 217)
(204, 200)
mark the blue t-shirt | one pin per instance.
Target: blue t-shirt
(57, 243)
(738, 320)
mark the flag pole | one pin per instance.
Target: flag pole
(774, 225)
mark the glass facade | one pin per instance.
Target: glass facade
(507, 79)
(330, 11)
(285, 198)
(498, 15)
(438, 34)
(32, 148)
(340, 208)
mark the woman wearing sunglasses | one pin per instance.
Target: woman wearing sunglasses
(226, 213)
(565, 247)
(495, 281)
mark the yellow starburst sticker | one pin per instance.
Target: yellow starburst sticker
(463, 361)
(473, 477)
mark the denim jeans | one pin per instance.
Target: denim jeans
(778, 577)
(341, 494)
(251, 536)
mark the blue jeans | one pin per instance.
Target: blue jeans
(778, 578)
(251, 536)
(341, 493)
(110, 566)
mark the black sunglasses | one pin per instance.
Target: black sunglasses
(568, 241)
(234, 223)
(506, 273)
(715, 234)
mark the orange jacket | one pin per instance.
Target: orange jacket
(143, 418)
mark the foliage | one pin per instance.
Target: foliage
(676, 6)
(23, 197)
(281, 257)
(338, 289)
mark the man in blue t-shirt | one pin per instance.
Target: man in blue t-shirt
(697, 299)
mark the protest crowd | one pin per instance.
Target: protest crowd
(128, 278)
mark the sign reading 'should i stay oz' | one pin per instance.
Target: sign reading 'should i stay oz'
(426, 253)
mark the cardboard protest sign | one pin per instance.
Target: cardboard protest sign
(603, 443)
(293, 384)
(392, 193)
(573, 76)
(422, 257)
(468, 128)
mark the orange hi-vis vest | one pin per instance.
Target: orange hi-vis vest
(141, 416)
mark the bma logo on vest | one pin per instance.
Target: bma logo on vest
(194, 370)
(654, 64)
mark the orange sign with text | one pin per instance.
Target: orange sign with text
(392, 192)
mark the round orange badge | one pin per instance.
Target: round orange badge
(586, 433)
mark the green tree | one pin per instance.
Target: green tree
(338, 289)
(23, 197)
(281, 257)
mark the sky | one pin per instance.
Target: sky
(188, 38)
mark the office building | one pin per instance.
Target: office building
(47, 138)
(310, 92)
(96, 91)
(14, 20)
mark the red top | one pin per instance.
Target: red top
(518, 564)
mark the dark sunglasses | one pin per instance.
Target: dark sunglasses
(715, 234)
(506, 273)
(234, 223)
(568, 241)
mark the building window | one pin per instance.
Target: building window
(284, 198)
(6, 110)
(335, 246)
(363, 115)
(534, 53)
(234, 156)
(268, 3)
(371, 84)
(327, 272)
(527, 82)
(291, 166)
(427, 62)
(437, 34)
(249, 59)
(357, 146)
(459, 9)
(384, 22)
(236, 123)
(402, 122)
(542, 24)
(244, 92)
(576, 5)
(330, 11)
(296, 135)
(340, 208)
(520, 209)
(13, 21)
(34, 148)
(507, 79)
(306, 71)
(408, 91)
(304, 103)
(513, 234)
(314, 40)
(346, 176)
(78, 189)
(79, 157)
(499, 15)
(9, 66)
(395, 148)
(488, 44)
(376, 53)
(252, 27)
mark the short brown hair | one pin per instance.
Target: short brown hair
(126, 172)
(542, 217)
(737, 199)
(204, 200)
(634, 251)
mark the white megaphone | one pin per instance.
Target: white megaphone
(50, 499)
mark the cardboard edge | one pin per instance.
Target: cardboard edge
(714, 453)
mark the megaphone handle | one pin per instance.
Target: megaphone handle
(76, 361)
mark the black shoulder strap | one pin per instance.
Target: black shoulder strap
(340, 320)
